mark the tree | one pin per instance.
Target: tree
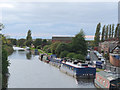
(103, 34)
(79, 56)
(71, 55)
(79, 44)
(13, 41)
(116, 31)
(112, 30)
(106, 35)
(47, 48)
(97, 35)
(21, 42)
(1, 26)
(29, 38)
(54, 46)
(37, 42)
(44, 42)
(63, 54)
(61, 47)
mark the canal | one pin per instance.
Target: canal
(27, 71)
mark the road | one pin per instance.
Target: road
(93, 57)
(107, 66)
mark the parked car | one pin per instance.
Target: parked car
(100, 56)
(103, 60)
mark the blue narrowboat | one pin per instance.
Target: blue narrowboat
(78, 71)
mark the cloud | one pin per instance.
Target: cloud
(58, 18)
(59, 0)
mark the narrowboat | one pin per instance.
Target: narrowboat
(55, 62)
(80, 70)
(107, 79)
(46, 58)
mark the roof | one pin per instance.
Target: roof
(115, 48)
(62, 38)
(108, 75)
(75, 65)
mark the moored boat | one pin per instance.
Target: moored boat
(46, 58)
(80, 70)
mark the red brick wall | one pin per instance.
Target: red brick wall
(61, 41)
(114, 61)
(106, 84)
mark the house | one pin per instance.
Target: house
(115, 56)
(108, 45)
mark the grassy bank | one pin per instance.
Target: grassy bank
(41, 51)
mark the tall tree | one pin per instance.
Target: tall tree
(1, 26)
(110, 31)
(79, 44)
(103, 34)
(113, 30)
(119, 32)
(106, 35)
(29, 39)
(116, 31)
(97, 35)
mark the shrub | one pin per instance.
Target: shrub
(60, 48)
(70, 55)
(39, 47)
(63, 54)
(79, 56)
(47, 49)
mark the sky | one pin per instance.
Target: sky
(46, 19)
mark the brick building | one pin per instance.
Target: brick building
(64, 39)
(108, 45)
(112, 48)
(115, 56)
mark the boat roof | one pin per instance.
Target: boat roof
(108, 75)
(75, 65)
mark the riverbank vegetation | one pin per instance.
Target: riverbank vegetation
(77, 49)
(7, 49)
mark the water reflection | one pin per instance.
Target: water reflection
(85, 81)
(29, 55)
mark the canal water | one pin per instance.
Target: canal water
(27, 71)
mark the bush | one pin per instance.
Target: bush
(39, 47)
(60, 48)
(79, 56)
(71, 55)
(63, 54)
(47, 49)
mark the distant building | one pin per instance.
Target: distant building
(64, 39)
(108, 45)
(111, 47)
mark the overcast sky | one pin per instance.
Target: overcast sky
(56, 18)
